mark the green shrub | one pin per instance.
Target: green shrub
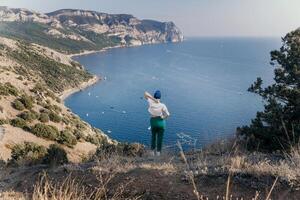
(44, 117)
(18, 105)
(55, 156)
(4, 121)
(27, 101)
(12, 90)
(65, 120)
(45, 131)
(66, 138)
(54, 117)
(28, 153)
(38, 88)
(95, 139)
(28, 116)
(18, 122)
(79, 135)
(8, 89)
(106, 149)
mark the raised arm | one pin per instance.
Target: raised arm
(147, 96)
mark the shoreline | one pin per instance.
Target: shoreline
(65, 94)
(86, 52)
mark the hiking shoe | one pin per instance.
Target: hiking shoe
(152, 153)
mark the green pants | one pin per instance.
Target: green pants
(157, 128)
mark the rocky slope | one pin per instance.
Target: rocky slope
(30, 107)
(76, 30)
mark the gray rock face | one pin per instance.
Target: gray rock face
(130, 30)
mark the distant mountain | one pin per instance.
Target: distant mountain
(72, 31)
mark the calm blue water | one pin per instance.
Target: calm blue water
(203, 81)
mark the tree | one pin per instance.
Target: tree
(278, 126)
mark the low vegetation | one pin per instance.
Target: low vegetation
(54, 117)
(45, 131)
(49, 69)
(28, 116)
(4, 121)
(8, 89)
(67, 138)
(27, 154)
(18, 105)
(18, 122)
(27, 101)
(44, 117)
(55, 156)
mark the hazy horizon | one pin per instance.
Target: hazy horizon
(207, 18)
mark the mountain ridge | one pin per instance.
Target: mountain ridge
(85, 29)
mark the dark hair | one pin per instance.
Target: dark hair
(157, 94)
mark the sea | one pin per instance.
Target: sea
(203, 82)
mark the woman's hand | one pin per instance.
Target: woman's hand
(147, 96)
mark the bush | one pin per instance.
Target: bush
(133, 149)
(44, 117)
(65, 120)
(55, 156)
(55, 108)
(28, 116)
(105, 150)
(54, 117)
(28, 153)
(95, 139)
(8, 89)
(11, 89)
(79, 135)
(18, 105)
(45, 131)
(18, 122)
(4, 121)
(27, 101)
(66, 138)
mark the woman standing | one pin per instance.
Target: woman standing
(159, 112)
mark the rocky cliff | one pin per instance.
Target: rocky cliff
(88, 30)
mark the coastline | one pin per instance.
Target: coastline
(86, 52)
(65, 94)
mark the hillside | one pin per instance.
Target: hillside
(73, 31)
(30, 90)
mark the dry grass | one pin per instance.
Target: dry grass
(231, 165)
(73, 189)
(11, 195)
(230, 160)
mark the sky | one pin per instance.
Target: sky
(214, 18)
